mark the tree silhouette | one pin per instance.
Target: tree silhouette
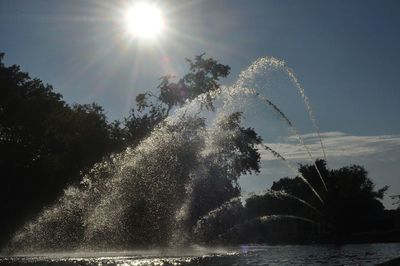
(151, 109)
(45, 144)
(235, 156)
(351, 198)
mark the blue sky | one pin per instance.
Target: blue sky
(345, 54)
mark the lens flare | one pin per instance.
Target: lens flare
(144, 20)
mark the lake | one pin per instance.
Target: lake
(351, 254)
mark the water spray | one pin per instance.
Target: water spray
(279, 156)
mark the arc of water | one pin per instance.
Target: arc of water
(286, 119)
(295, 131)
(284, 194)
(284, 216)
(265, 63)
(309, 109)
(282, 115)
(279, 156)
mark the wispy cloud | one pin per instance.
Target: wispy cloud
(380, 155)
(337, 144)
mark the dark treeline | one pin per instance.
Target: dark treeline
(350, 211)
(47, 144)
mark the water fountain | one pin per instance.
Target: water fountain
(140, 197)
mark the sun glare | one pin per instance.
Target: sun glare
(144, 20)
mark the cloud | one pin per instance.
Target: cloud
(380, 155)
(337, 145)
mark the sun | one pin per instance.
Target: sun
(144, 20)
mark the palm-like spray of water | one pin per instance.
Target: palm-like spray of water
(234, 99)
(295, 131)
(264, 64)
(309, 109)
(268, 63)
(247, 86)
(139, 196)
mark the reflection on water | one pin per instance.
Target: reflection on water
(355, 254)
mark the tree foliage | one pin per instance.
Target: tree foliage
(233, 152)
(45, 143)
(152, 108)
(202, 78)
(351, 206)
(351, 198)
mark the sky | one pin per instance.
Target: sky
(344, 53)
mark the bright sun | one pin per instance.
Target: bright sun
(144, 20)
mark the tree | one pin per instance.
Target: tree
(45, 144)
(351, 198)
(151, 109)
(202, 79)
(232, 152)
(298, 187)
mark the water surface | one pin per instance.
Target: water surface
(354, 254)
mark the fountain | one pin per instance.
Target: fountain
(142, 197)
